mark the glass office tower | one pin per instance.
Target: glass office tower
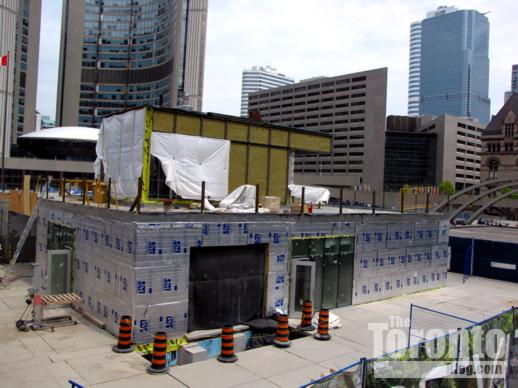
(119, 54)
(454, 74)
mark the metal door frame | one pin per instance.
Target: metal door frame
(67, 252)
(294, 263)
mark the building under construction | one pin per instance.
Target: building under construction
(184, 270)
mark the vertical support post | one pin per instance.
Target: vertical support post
(363, 366)
(341, 200)
(4, 129)
(410, 325)
(415, 202)
(257, 198)
(63, 189)
(427, 202)
(139, 194)
(459, 336)
(354, 195)
(302, 200)
(84, 192)
(109, 193)
(202, 197)
(47, 188)
(472, 256)
(402, 205)
(383, 199)
(374, 202)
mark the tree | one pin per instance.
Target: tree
(446, 187)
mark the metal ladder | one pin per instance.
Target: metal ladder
(20, 244)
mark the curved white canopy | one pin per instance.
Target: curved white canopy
(65, 133)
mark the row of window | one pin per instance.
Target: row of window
(258, 99)
(329, 171)
(466, 126)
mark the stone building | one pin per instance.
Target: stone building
(499, 157)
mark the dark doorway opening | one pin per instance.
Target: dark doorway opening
(226, 285)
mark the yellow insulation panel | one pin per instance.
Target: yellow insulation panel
(259, 135)
(279, 138)
(214, 128)
(257, 167)
(310, 142)
(237, 131)
(237, 166)
(188, 125)
(162, 121)
(278, 172)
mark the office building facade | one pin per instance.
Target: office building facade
(459, 148)
(20, 38)
(351, 108)
(260, 78)
(454, 64)
(410, 159)
(120, 54)
(427, 150)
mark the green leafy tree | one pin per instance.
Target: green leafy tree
(446, 187)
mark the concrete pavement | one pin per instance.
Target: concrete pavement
(83, 352)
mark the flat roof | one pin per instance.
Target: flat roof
(490, 233)
(222, 116)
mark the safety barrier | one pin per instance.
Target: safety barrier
(323, 326)
(307, 316)
(486, 351)
(124, 340)
(159, 355)
(282, 338)
(227, 345)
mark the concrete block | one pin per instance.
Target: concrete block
(192, 353)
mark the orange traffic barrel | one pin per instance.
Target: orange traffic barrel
(227, 345)
(323, 326)
(124, 341)
(282, 337)
(159, 354)
(307, 316)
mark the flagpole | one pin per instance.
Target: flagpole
(5, 120)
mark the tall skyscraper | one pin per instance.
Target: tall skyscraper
(454, 64)
(414, 65)
(514, 83)
(20, 37)
(118, 54)
(260, 78)
(414, 69)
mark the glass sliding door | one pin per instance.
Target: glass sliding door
(302, 285)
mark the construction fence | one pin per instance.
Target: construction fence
(485, 352)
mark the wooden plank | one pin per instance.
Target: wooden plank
(27, 195)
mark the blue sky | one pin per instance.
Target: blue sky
(306, 38)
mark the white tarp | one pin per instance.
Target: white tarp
(120, 150)
(241, 198)
(311, 194)
(189, 160)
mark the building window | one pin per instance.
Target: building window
(493, 169)
(509, 130)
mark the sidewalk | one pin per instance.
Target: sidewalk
(83, 352)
